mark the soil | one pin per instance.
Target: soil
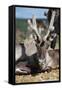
(53, 75)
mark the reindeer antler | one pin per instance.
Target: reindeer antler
(33, 26)
(51, 27)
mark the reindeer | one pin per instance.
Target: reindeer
(41, 58)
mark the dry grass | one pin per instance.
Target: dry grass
(40, 77)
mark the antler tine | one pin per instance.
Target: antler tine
(51, 25)
(34, 20)
(33, 26)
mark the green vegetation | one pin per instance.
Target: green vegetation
(21, 24)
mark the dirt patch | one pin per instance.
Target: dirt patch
(40, 77)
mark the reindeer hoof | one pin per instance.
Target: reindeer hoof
(48, 69)
(22, 71)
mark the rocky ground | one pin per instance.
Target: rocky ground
(53, 75)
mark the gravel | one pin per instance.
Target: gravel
(53, 75)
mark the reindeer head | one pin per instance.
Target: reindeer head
(42, 43)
